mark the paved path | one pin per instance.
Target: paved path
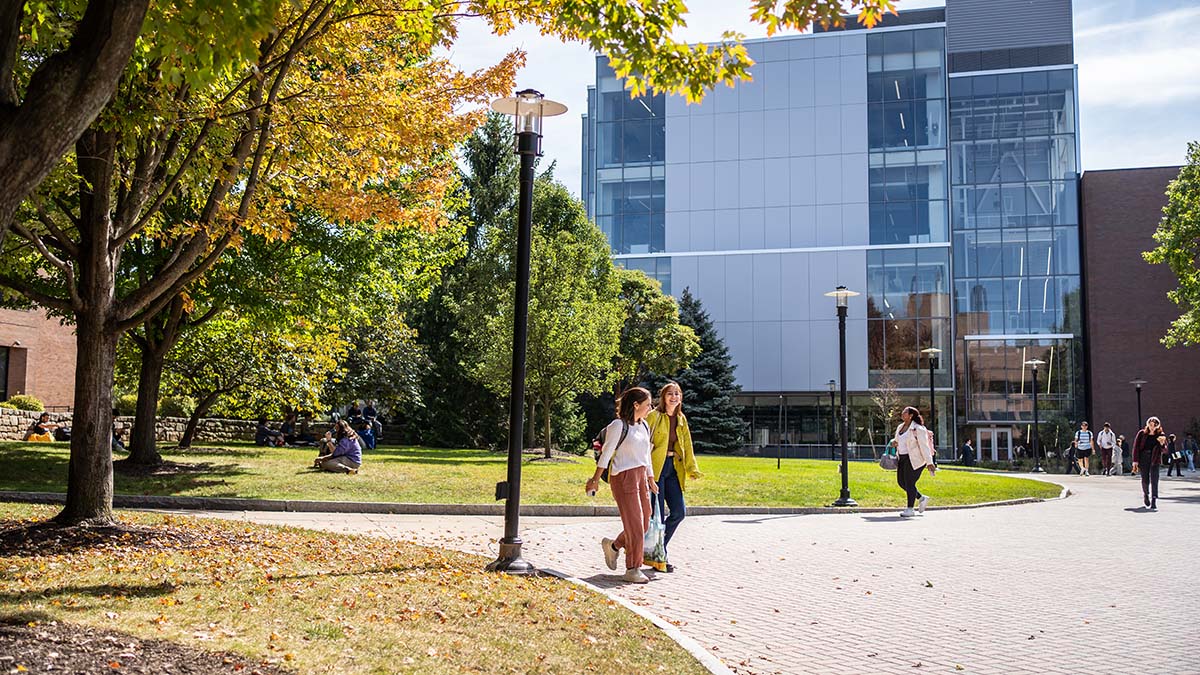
(1090, 584)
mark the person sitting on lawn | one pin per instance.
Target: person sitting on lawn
(291, 436)
(118, 431)
(344, 454)
(265, 435)
(42, 430)
(366, 434)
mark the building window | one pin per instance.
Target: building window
(655, 268)
(908, 309)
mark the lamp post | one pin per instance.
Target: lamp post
(843, 297)
(1137, 385)
(779, 452)
(1033, 436)
(832, 420)
(932, 353)
(528, 108)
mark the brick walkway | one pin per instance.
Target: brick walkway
(1090, 584)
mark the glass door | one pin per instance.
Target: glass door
(994, 443)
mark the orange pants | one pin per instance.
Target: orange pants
(632, 494)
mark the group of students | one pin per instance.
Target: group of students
(1113, 448)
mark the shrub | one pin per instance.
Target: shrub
(6, 404)
(176, 406)
(25, 402)
(126, 404)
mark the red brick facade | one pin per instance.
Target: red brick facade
(41, 357)
(1127, 307)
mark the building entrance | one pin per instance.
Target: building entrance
(994, 443)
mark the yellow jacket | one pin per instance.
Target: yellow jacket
(660, 436)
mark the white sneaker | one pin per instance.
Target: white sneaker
(610, 553)
(907, 513)
(635, 576)
(921, 504)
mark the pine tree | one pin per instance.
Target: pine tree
(708, 385)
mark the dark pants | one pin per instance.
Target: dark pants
(1177, 467)
(907, 477)
(670, 499)
(1149, 480)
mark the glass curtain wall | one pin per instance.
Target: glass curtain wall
(1015, 225)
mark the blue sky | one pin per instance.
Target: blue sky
(1139, 76)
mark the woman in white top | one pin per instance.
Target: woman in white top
(626, 455)
(914, 447)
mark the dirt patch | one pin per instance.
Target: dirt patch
(165, 468)
(49, 538)
(67, 648)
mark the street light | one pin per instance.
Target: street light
(779, 452)
(832, 420)
(843, 297)
(1137, 383)
(932, 353)
(527, 108)
(1033, 436)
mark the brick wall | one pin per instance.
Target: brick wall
(41, 356)
(15, 423)
(1127, 306)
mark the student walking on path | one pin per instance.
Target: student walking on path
(1190, 448)
(1083, 448)
(1106, 440)
(625, 454)
(1148, 448)
(1119, 456)
(1174, 463)
(914, 449)
(672, 457)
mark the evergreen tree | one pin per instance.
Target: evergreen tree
(708, 384)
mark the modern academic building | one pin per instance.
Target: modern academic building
(930, 164)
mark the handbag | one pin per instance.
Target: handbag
(887, 461)
(654, 547)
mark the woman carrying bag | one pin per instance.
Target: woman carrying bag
(625, 454)
(914, 450)
(672, 457)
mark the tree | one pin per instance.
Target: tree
(58, 67)
(886, 405)
(708, 384)
(574, 316)
(232, 363)
(305, 123)
(1178, 239)
(652, 338)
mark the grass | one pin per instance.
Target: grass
(430, 475)
(316, 602)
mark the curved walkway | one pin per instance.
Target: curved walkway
(1089, 584)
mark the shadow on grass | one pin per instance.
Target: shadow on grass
(432, 456)
(96, 591)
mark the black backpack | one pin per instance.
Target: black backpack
(598, 443)
(62, 433)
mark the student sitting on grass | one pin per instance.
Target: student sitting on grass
(265, 435)
(42, 430)
(340, 453)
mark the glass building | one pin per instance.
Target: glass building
(930, 163)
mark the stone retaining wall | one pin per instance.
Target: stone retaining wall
(14, 424)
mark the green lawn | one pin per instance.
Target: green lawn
(434, 475)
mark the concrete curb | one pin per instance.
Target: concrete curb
(567, 510)
(705, 657)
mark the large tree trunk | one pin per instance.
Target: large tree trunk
(530, 426)
(143, 440)
(89, 472)
(202, 408)
(546, 408)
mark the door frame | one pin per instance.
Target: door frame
(994, 433)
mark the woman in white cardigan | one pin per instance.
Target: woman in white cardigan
(914, 447)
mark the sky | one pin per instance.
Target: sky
(1139, 76)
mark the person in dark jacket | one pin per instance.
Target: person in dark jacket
(1148, 448)
(1172, 463)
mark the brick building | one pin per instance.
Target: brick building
(37, 357)
(1127, 310)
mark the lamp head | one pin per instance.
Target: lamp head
(1137, 383)
(832, 386)
(842, 294)
(1034, 363)
(528, 108)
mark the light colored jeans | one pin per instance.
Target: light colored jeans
(339, 465)
(1116, 461)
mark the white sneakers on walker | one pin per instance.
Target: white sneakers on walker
(635, 576)
(907, 513)
(610, 553)
(921, 504)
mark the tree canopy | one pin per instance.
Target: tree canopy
(1178, 239)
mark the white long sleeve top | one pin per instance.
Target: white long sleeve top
(634, 452)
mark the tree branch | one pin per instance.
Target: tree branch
(35, 295)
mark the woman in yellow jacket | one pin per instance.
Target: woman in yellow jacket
(671, 457)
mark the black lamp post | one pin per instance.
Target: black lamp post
(528, 108)
(832, 420)
(843, 298)
(1137, 384)
(1033, 435)
(779, 452)
(932, 353)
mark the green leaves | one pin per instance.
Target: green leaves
(1178, 239)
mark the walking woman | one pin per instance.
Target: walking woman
(626, 455)
(1148, 449)
(914, 448)
(672, 457)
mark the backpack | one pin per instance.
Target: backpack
(62, 433)
(598, 443)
